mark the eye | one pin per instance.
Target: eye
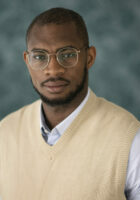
(39, 57)
(67, 55)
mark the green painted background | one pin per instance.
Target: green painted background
(114, 28)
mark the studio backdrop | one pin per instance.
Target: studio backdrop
(114, 29)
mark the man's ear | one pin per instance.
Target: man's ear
(25, 58)
(91, 55)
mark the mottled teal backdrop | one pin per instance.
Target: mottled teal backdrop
(114, 28)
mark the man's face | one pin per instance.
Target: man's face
(56, 84)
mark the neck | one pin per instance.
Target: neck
(55, 115)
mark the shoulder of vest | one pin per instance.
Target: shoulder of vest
(109, 110)
(17, 115)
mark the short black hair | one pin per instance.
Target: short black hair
(60, 16)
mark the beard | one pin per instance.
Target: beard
(66, 100)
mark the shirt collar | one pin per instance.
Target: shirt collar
(62, 126)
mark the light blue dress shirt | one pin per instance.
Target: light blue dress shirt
(132, 186)
(52, 136)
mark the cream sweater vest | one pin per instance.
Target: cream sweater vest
(89, 162)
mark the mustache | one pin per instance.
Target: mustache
(52, 79)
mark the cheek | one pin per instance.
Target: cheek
(36, 78)
(80, 69)
(77, 75)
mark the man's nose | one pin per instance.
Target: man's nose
(54, 68)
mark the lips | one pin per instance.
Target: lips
(55, 86)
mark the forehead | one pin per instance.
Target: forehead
(52, 36)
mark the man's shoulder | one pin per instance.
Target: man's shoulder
(118, 111)
(107, 114)
(18, 114)
(112, 110)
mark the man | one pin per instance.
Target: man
(71, 145)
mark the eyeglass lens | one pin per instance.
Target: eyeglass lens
(66, 57)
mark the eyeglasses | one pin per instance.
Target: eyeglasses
(66, 57)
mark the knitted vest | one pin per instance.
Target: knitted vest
(89, 162)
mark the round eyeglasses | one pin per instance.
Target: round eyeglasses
(66, 57)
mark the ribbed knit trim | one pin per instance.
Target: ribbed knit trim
(70, 131)
(91, 105)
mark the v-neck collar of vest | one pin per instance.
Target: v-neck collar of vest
(72, 129)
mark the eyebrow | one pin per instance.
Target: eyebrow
(45, 50)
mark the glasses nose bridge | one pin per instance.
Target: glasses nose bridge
(53, 54)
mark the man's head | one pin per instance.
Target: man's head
(58, 56)
(60, 16)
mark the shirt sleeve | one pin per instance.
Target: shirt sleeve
(132, 187)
